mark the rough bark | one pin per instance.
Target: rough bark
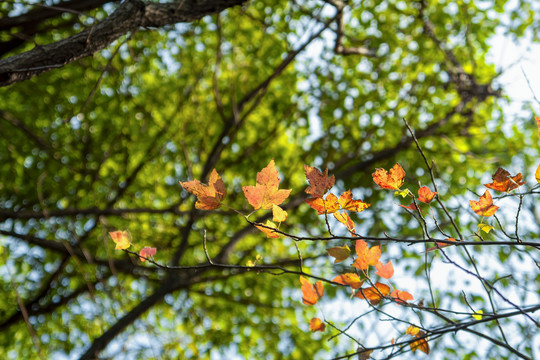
(129, 17)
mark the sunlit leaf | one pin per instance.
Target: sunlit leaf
(374, 294)
(122, 239)
(478, 315)
(267, 229)
(385, 271)
(209, 196)
(266, 193)
(537, 174)
(391, 180)
(346, 220)
(147, 252)
(403, 193)
(366, 256)
(420, 344)
(347, 203)
(349, 279)
(425, 195)
(484, 207)
(316, 324)
(401, 296)
(328, 206)
(485, 228)
(441, 245)
(311, 293)
(279, 215)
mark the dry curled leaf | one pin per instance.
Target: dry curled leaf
(503, 181)
(209, 196)
(316, 324)
(319, 182)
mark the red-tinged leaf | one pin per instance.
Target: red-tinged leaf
(391, 180)
(347, 203)
(345, 219)
(484, 207)
(319, 183)
(411, 207)
(279, 215)
(311, 293)
(385, 271)
(366, 256)
(269, 232)
(266, 192)
(147, 252)
(538, 122)
(328, 206)
(209, 196)
(341, 253)
(401, 297)
(425, 195)
(316, 324)
(122, 239)
(441, 245)
(374, 294)
(420, 344)
(349, 279)
(504, 182)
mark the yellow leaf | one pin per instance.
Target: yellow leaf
(537, 174)
(478, 315)
(122, 239)
(403, 193)
(278, 213)
(485, 228)
(250, 263)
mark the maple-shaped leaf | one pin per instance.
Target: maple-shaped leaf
(346, 220)
(349, 279)
(279, 215)
(484, 207)
(328, 206)
(316, 324)
(147, 252)
(374, 294)
(122, 239)
(366, 256)
(391, 180)
(348, 203)
(401, 296)
(504, 182)
(425, 195)
(311, 293)
(385, 271)
(209, 196)
(319, 182)
(267, 229)
(441, 245)
(266, 192)
(341, 253)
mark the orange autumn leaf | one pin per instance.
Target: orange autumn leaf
(385, 271)
(420, 344)
(374, 294)
(347, 203)
(316, 324)
(341, 253)
(278, 214)
(484, 207)
(537, 174)
(391, 180)
(209, 196)
(147, 252)
(267, 229)
(311, 293)
(319, 182)
(425, 195)
(328, 206)
(346, 220)
(366, 256)
(538, 123)
(266, 192)
(122, 239)
(349, 279)
(503, 181)
(401, 296)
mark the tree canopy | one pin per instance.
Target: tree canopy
(108, 108)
